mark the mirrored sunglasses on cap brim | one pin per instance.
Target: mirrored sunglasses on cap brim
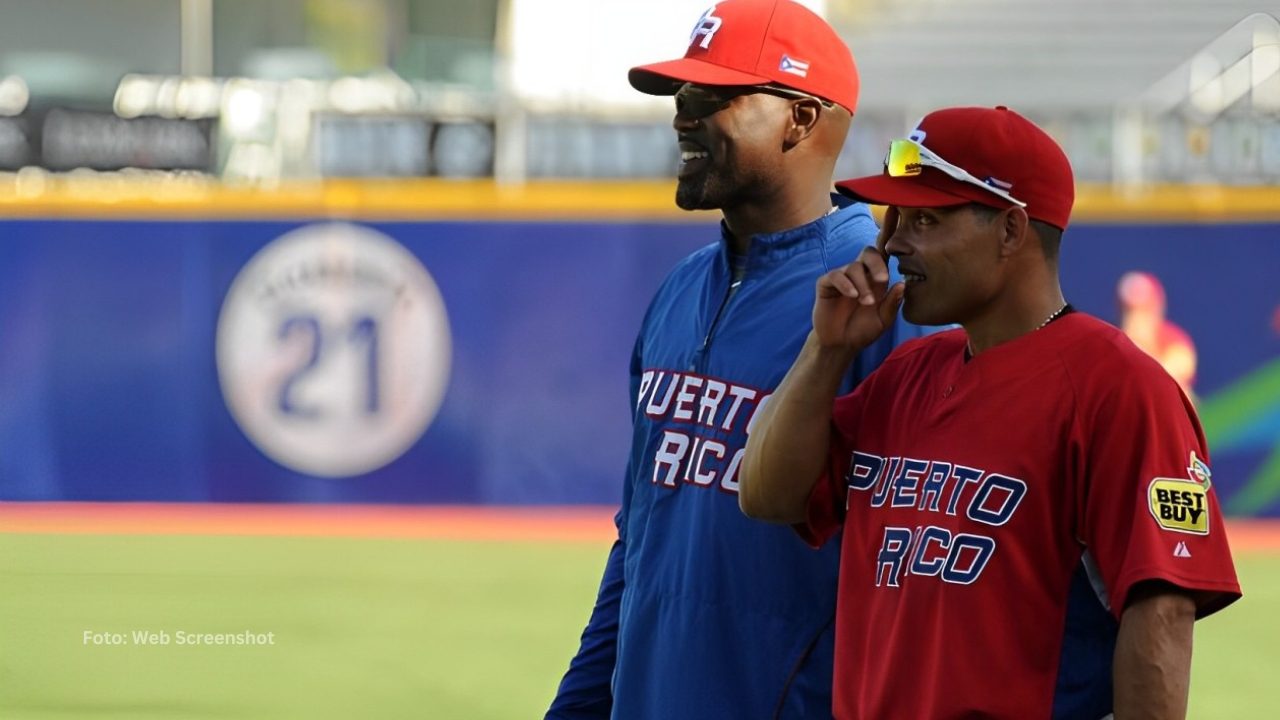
(908, 158)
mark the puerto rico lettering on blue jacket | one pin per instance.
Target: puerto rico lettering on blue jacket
(698, 413)
(702, 612)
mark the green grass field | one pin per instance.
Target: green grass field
(382, 628)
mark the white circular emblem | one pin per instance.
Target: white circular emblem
(333, 349)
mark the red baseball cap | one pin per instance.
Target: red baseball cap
(995, 145)
(759, 42)
(1141, 289)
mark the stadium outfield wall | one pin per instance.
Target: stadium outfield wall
(467, 343)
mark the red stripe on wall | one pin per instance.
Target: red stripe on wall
(549, 524)
(588, 524)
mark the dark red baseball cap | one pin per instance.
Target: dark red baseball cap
(759, 42)
(996, 145)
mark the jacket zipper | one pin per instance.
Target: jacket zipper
(715, 321)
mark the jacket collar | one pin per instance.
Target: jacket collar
(769, 248)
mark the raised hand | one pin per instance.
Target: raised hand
(854, 304)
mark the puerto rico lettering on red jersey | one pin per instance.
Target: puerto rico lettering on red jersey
(706, 420)
(933, 487)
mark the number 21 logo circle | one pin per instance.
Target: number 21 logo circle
(333, 349)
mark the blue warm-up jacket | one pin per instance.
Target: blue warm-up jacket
(702, 612)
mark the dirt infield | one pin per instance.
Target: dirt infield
(453, 522)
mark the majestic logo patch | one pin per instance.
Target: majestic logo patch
(1179, 505)
(708, 25)
(794, 66)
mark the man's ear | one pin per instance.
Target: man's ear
(802, 122)
(1015, 231)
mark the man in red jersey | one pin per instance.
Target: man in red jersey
(1142, 318)
(1029, 525)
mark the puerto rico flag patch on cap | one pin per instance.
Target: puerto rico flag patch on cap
(794, 66)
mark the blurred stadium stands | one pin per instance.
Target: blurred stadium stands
(1137, 90)
(1044, 55)
(1078, 68)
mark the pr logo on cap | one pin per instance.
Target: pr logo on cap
(759, 42)
(707, 27)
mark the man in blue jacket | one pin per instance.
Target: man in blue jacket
(703, 613)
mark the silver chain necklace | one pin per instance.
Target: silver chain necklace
(968, 344)
(1053, 317)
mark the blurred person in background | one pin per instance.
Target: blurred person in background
(702, 613)
(1029, 525)
(1142, 318)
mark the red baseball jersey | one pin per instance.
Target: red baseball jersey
(997, 511)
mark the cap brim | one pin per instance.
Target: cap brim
(665, 78)
(922, 191)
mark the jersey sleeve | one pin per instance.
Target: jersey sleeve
(1145, 503)
(825, 510)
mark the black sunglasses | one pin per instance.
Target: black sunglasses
(699, 101)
